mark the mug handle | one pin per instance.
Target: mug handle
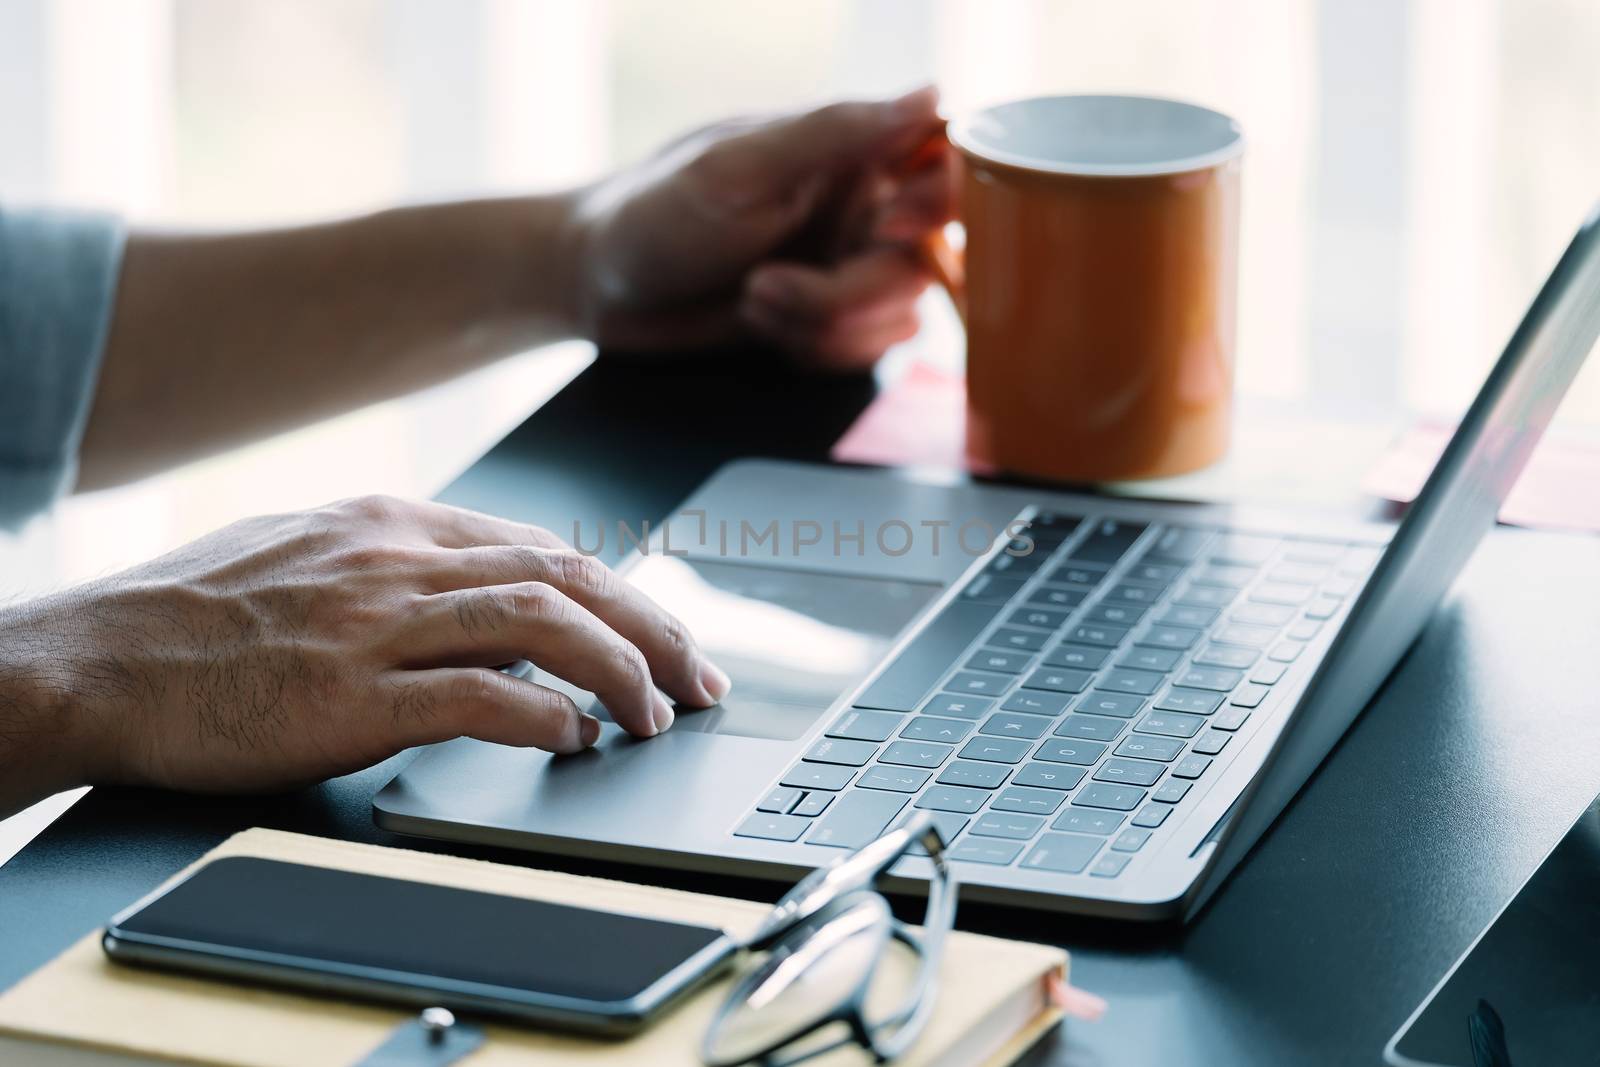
(946, 264)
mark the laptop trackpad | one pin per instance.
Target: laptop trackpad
(792, 641)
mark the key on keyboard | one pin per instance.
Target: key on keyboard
(1005, 662)
(970, 772)
(1179, 544)
(1170, 723)
(1088, 821)
(1105, 795)
(1116, 614)
(1044, 618)
(1122, 680)
(1144, 746)
(1058, 680)
(818, 776)
(1082, 753)
(958, 705)
(894, 779)
(1080, 657)
(996, 749)
(1151, 659)
(991, 850)
(860, 725)
(1233, 656)
(1097, 634)
(920, 664)
(928, 728)
(845, 753)
(1196, 701)
(1049, 776)
(1220, 679)
(1053, 596)
(978, 683)
(1085, 576)
(779, 801)
(1011, 724)
(1122, 705)
(857, 817)
(1064, 853)
(953, 798)
(915, 753)
(1037, 702)
(1028, 801)
(1129, 771)
(1017, 639)
(773, 827)
(1097, 727)
(814, 804)
(1151, 816)
(993, 587)
(1007, 824)
(1110, 865)
(1109, 539)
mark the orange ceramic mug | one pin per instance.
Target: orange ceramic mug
(1100, 281)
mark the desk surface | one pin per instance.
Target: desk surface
(1468, 768)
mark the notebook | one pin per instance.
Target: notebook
(81, 1010)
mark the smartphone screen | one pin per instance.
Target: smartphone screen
(297, 916)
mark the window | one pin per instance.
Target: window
(1414, 166)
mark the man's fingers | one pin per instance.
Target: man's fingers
(852, 343)
(498, 624)
(842, 317)
(438, 705)
(923, 202)
(825, 294)
(807, 331)
(840, 136)
(675, 662)
(452, 527)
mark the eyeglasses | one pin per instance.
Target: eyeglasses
(828, 978)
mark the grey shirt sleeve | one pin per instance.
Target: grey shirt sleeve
(58, 280)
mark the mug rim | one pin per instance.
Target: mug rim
(961, 134)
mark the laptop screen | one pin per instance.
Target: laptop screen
(1454, 511)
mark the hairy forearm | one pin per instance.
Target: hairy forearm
(41, 747)
(220, 339)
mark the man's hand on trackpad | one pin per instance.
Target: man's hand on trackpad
(286, 649)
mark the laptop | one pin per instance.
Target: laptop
(1103, 702)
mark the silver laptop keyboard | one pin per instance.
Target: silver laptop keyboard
(1068, 699)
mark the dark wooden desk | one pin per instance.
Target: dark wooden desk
(1470, 765)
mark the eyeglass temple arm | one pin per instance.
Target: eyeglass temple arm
(910, 1020)
(854, 871)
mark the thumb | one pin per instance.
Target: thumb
(844, 136)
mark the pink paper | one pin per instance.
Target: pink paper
(1560, 489)
(918, 421)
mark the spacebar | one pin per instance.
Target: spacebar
(932, 652)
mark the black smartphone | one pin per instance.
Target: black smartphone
(419, 945)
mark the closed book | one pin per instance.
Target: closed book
(82, 1010)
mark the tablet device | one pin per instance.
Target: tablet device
(1527, 992)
